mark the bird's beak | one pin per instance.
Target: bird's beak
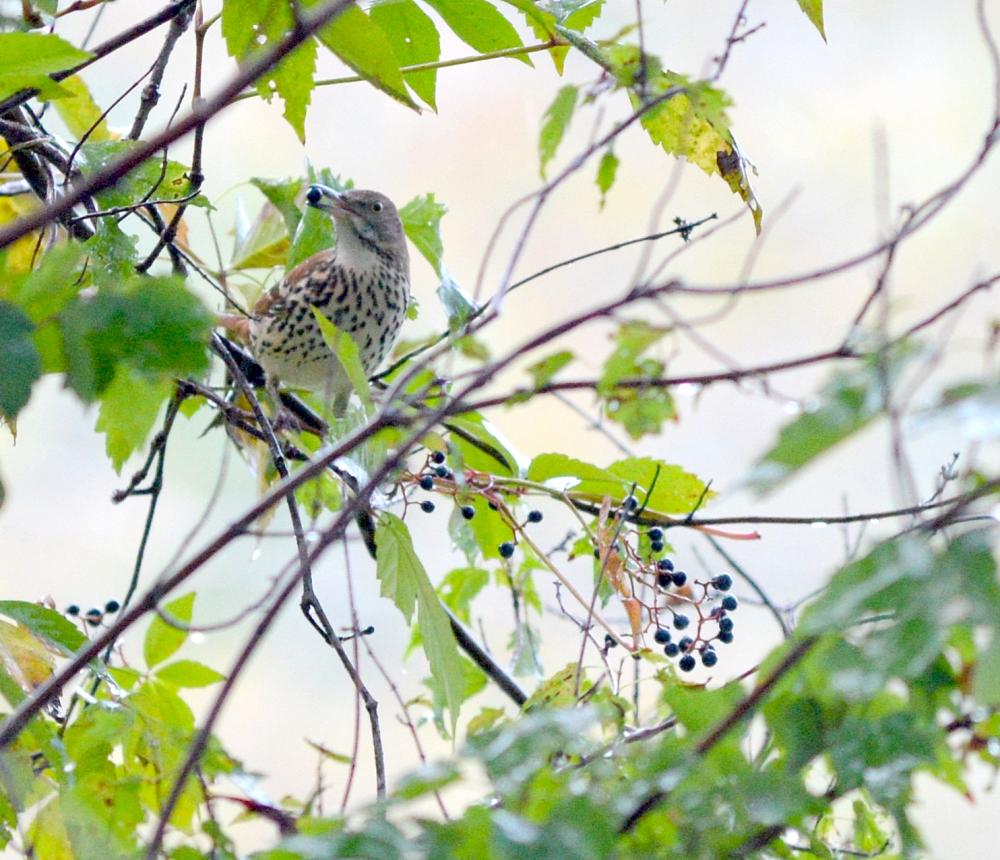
(328, 199)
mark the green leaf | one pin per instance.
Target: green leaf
(479, 25)
(844, 405)
(112, 254)
(294, 79)
(19, 359)
(151, 179)
(79, 111)
(162, 639)
(480, 445)
(283, 194)
(554, 125)
(153, 326)
(457, 305)
(346, 350)
(414, 40)
(421, 219)
(314, 233)
(362, 45)
(129, 406)
(660, 486)
(45, 623)
(607, 169)
(188, 673)
(404, 580)
(27, 60)
(814, 12)
(542, 372)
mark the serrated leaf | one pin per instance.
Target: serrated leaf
(151, 179)
(45, 623)
(80, 112)
(554, 125)
(404, 580)
(294, 80)
(814, 12)
(129, 406)
(313, 234)
(162, 639)
(361, 44)
(189, 673)
(19, 359)
(479, 24)
(27, 60)
(421, 219)
(414, 40)
(153, 326)
(607, 169)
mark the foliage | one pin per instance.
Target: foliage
(889, 675)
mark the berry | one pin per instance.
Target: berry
(426, 483)
(314, 195)
(665, 564)
(662, 635)
(597, 553)
(723, 582)
(112, 606)
(729, 602)
(725, 624)
(609, 641)
(679, 577)
(437, 457)
(94, 617)
(427, 506)
(72, 609)
(709, 657)
(656, 546)
(725, 637)
(442, 472)
(506, 549)
(685, 643)
(534, 516)
(631, 503)
(671, 649)
(468, 511)
(681, 621)
(655, 533)
(493, 506)
(663, 580)
(686, 663)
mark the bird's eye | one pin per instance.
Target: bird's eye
(376, 206)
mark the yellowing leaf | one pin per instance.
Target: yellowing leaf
(80, 112)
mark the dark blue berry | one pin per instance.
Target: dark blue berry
(663, 580)
(426, 483)
(655, 533)
(665, 564)
(314, 195)
(723, 582)
(681, 621)
(709, 657)
(609, 641)
(506, 549)
(437, 457)
(442, 472)
(631, 503)
(534, 516)
(468, 512)
(671, 649)
(662, 635)
(112, 606)
(730, 603)
(686, 663)
(72, 609)
(656, 545)
(427, 506)
(679, 577)
(492, 506)
(725, 637)
(725, 624)
(685, 643)
(94, 617)
(597, 553)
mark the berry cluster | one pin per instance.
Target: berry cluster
(93, 616)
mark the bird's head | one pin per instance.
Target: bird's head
(373, 217)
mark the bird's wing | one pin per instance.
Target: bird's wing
(273, 301)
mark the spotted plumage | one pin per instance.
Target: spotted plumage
(362, 286)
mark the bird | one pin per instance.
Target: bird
(361, 285)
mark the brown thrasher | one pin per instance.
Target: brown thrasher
(362, 286)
